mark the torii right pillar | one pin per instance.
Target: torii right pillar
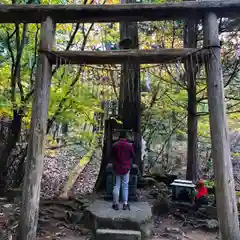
(224, 181)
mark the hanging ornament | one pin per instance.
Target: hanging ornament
(238, 52)
(147, 77)
(178, 71)
(30, 60)
(84, 75)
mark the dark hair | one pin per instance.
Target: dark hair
(122, 134)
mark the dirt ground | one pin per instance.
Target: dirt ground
(54, 225)
(188, 232)
(54, 222)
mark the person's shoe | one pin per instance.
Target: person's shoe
(115, 206)
(126, 207)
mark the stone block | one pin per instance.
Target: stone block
(100, 215)
(117, 234)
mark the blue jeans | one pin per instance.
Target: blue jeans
(124, 179)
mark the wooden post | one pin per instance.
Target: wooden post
(36, 142)
(190, 41)
(130, 93)
(224, 181)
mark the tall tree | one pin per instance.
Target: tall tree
(130, 95)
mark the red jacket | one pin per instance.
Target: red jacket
(122, 152)
(203, 191)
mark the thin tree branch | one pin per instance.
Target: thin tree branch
(10, 49)
(226, 97)
(18, 61)
(35, 60)
(207, 113)
(180, 105)
(70, 43)
(233, 74)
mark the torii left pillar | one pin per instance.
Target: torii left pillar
(36, 142)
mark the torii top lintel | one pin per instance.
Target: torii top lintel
(33, 13)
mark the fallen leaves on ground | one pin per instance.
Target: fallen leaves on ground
(57, 169)
(86, 181)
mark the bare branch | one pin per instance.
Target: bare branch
(70, 43)
(20, 48)
(233, 74)
(207, 113)
(226, 97)
(35, 58)
(180, 105)
(10, 49)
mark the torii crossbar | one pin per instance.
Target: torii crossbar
(32, 13)
(161, 56)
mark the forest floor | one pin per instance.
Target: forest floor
(57, 219)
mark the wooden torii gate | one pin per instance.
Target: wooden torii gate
(48, 15)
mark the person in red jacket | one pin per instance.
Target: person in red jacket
(122, 152)
(202, 194)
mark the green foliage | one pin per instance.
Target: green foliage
(164, 107)
(209, 183)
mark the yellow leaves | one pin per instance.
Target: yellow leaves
(50, 153)
(233, 121)
(112, 1)
(49, 2)
(6, 1)
(236, 154)
(5, 112)
(180, 132)
(203, 127)
(116, 120)
(234, 116)
(64, 28)
(5, 76)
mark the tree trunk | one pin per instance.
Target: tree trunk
(171, 156)
(20, 170)
(106, 155)
(130, 95)
(35, 151)
(190, 41)
(224, 181)
(65, 129)
(13, 136)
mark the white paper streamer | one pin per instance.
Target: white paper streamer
(238, 52)
(147, 77)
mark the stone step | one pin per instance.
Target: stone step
(100, 215)
(117, 234)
